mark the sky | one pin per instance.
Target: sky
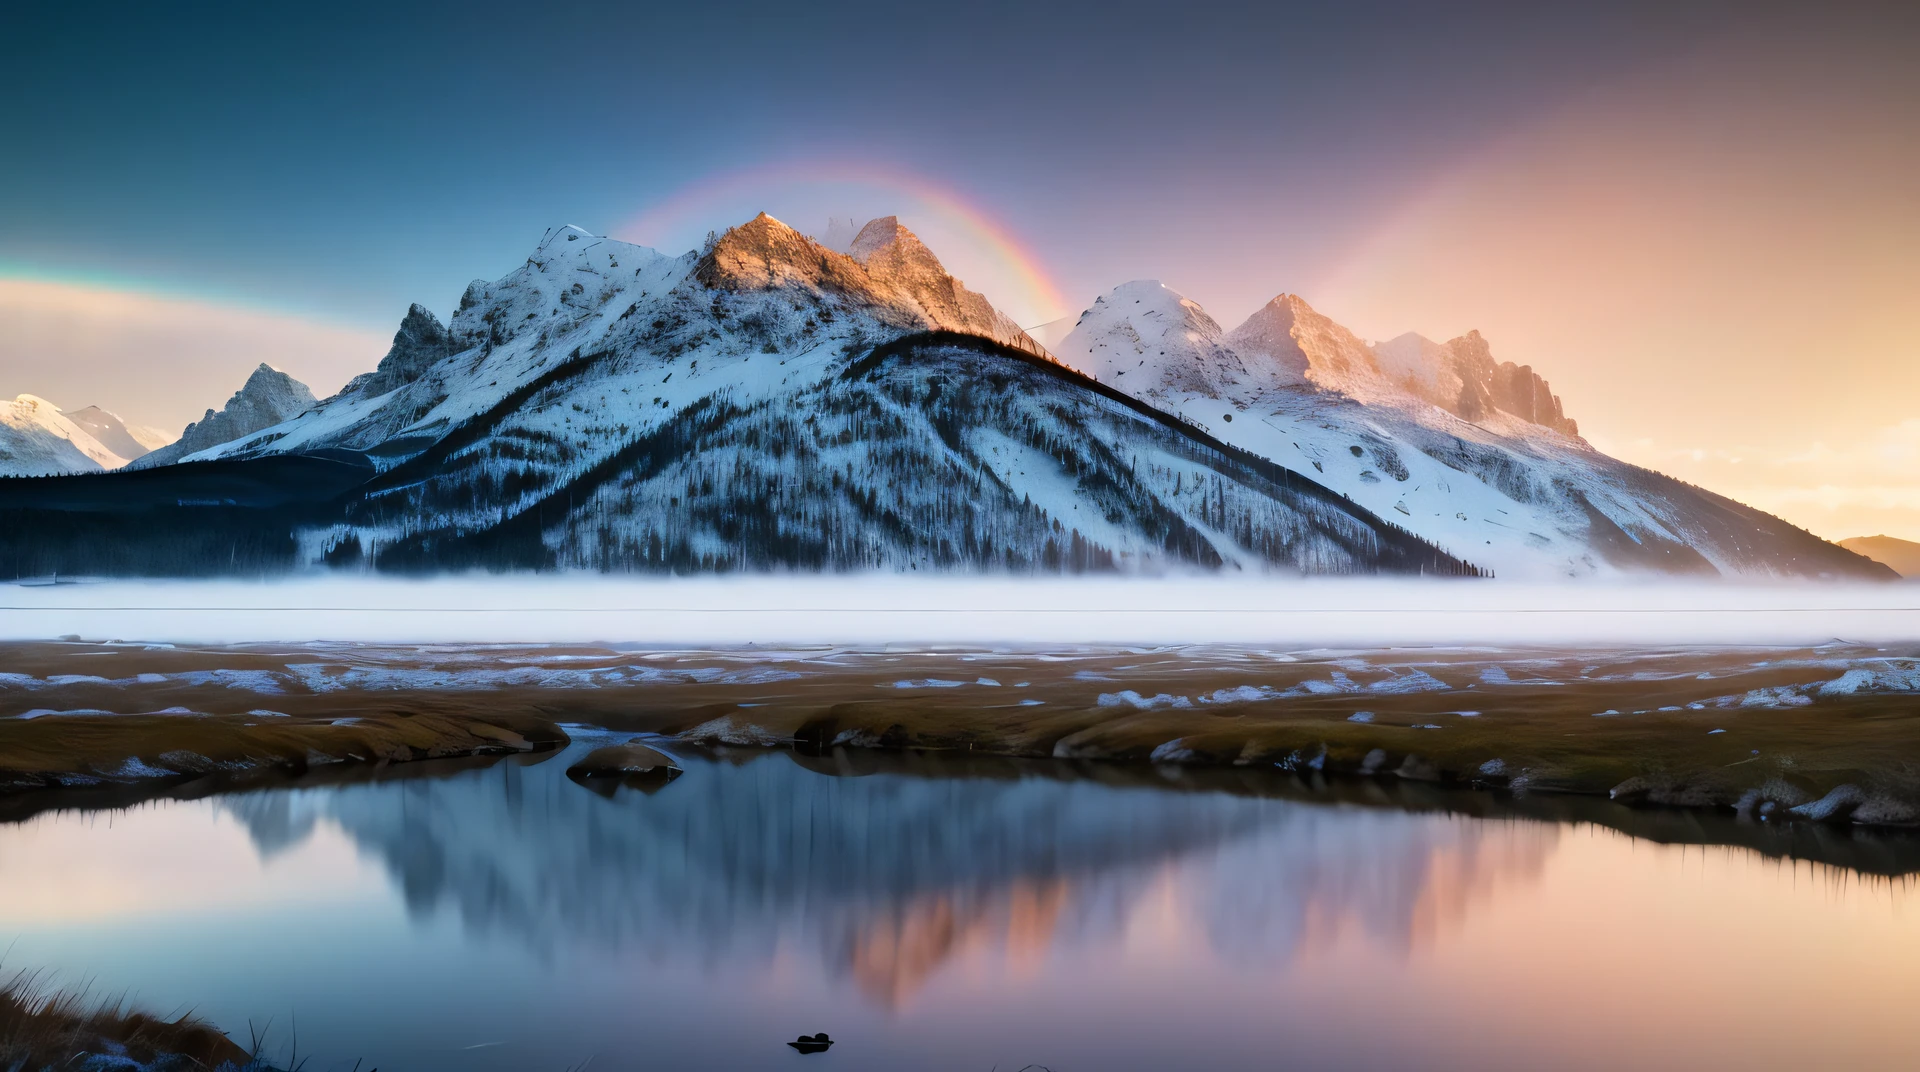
(1698, 221)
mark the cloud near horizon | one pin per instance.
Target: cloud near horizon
(157, 360)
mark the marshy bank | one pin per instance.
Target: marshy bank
(1805, 737)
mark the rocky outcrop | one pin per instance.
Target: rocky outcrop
(1487, 385)
(421, 342)
(267, 398)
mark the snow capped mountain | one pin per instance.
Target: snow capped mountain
(770, 402)
(116, 436)
(36, 439)
(268, 397)
(1473, 456)
(757, 407)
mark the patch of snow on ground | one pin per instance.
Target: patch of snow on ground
(1144, 703)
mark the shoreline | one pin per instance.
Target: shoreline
(1777, 737)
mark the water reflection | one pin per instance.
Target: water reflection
(888, 878)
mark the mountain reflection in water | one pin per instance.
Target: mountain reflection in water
(887, 878)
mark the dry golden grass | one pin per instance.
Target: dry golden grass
(42, 1028)
(89, 749)
(1542, 740)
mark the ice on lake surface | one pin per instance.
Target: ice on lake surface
(503, 917)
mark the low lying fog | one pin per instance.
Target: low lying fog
(875, 611)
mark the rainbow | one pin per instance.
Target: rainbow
(931, 207)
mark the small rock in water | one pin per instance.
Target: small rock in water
(812, 1043)
(632, 765)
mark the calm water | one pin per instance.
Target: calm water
(506, 918)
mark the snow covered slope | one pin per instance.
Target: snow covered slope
(268, 397)
(1496, 475)
(36, 439)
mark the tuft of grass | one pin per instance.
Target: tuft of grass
(43, 1028)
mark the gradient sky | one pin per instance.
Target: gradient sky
(1699, 221)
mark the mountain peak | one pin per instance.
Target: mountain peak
(558, 237)
(888, 272)
(1150, 340)
(112, 433)
(766, 254)
(421, 341)
(1294, 344)
(268, 397)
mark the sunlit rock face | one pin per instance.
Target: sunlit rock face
(895, 256)
(1487, 386)
(267, 398)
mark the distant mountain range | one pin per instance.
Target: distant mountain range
(773, 402)
(38, 439)
(1902, 556)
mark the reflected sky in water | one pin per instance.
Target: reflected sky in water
(506, 918)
